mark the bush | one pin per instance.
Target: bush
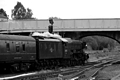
(99, 42)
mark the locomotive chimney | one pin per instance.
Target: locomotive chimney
(50, 27)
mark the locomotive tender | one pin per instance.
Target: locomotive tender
(21, 53)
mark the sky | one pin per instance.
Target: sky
(67, 9)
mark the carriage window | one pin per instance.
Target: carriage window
(8, 46)
(17, 48)
(23, 47)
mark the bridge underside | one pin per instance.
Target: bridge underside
(78, 35)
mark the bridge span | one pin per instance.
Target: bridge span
(74, 28)
(62, 25)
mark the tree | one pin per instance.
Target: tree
(29, 14)
(3, 13)
(54, 18)
(19, 12)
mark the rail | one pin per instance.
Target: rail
(66, 73)
(87, 75)
(42, 75)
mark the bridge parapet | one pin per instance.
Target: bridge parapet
(62, 25)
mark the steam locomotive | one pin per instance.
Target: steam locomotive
(23, 53)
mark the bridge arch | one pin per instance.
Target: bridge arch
(78, 35)
(99, 42)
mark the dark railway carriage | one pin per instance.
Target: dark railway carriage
(17, 51)
(50, 49)
(49, 52)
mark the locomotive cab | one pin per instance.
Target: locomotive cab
(75, 50)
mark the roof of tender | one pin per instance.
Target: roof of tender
(16, 37)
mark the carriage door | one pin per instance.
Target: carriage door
(17, 47)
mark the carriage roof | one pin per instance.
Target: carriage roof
(16, 37)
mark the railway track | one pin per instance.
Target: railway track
(43, 75)
(67, 73)
(91, 72)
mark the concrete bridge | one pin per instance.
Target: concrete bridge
(74, 28)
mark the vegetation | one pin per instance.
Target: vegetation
(19, 12)
(3, 13)
(55, 18)
(99, 42)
